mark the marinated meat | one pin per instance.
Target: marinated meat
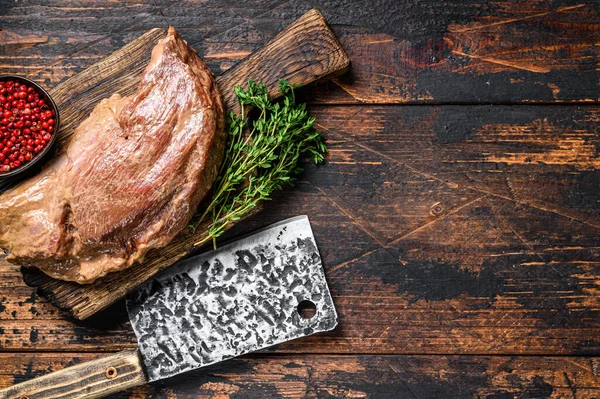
(130, 179)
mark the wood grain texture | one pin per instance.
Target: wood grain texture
(436, 233)
(450, 51)
(93, 379)
(352, 376)
(307, 51)
(470, 53)
(453, 229)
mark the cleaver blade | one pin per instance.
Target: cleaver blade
(240, 298)
(237, 299)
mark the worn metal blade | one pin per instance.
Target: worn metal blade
(238, 299)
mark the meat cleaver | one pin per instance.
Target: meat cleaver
(242, 297)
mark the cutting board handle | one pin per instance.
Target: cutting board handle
(93, 379)
(305, 52)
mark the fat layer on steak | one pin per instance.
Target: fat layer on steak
(129, 180)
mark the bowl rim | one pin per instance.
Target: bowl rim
(35, 160)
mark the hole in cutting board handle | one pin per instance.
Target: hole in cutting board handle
(307, 309)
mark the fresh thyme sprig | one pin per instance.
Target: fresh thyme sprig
(261, 162)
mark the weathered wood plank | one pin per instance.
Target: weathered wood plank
(540, 157)
(351, 377)
(402, 52)
(437, 236)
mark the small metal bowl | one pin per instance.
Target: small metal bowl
(21, 170)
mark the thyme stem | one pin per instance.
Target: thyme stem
(263, 162)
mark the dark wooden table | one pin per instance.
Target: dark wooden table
(458, 214)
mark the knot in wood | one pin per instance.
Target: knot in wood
(437, 209)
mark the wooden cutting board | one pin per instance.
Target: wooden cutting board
(305, 52)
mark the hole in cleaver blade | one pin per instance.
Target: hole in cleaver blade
(245, 296)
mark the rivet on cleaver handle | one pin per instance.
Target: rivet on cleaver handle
(237, 299)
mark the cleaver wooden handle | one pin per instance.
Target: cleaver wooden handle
(93, 379)
(305, 52)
